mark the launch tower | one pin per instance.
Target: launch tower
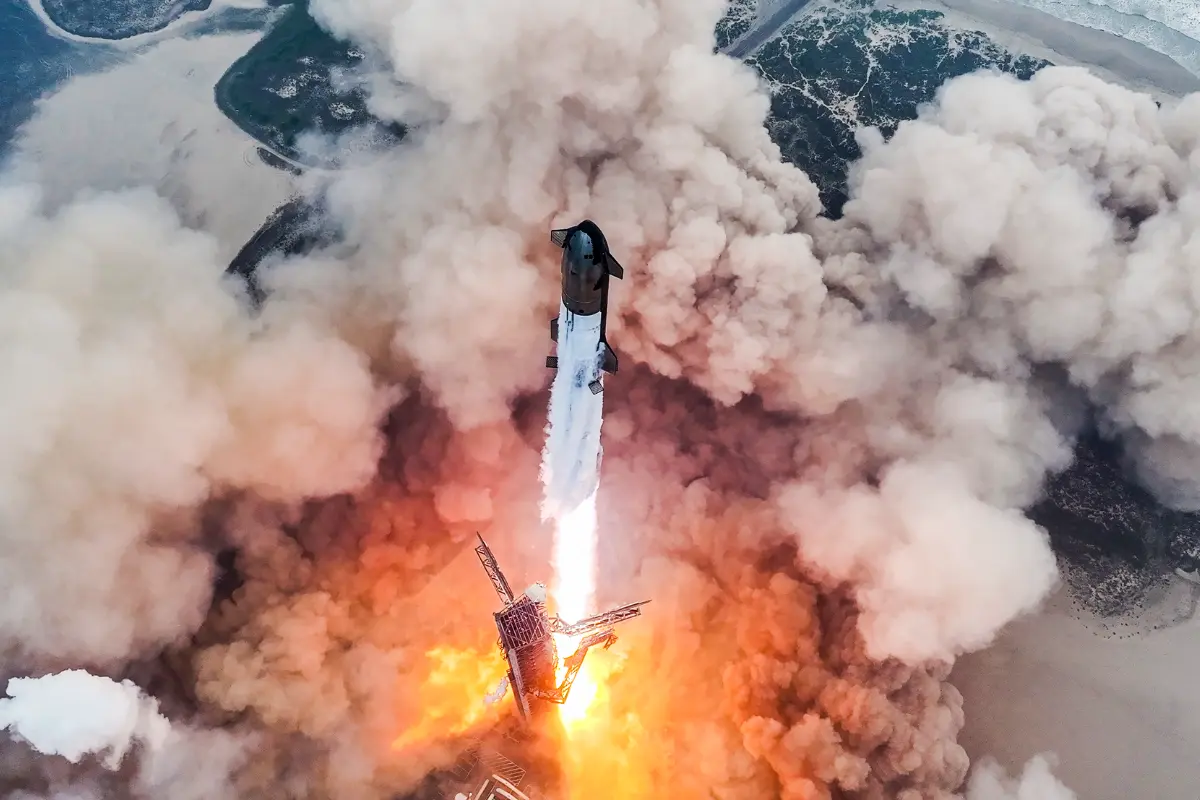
(527, 638)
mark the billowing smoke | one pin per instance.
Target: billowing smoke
(989, 782)
(135, 385)
(155, 121)
(74, 713)
(1070, 244)
(816, 455)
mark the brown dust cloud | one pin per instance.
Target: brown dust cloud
(816, 455)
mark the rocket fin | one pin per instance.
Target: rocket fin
(559, 236)
(552, 362)
(613, 267)
(596, 386)
(608, 361)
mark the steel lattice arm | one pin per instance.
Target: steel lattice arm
(493, 571)
(573, 662)
(605, 620)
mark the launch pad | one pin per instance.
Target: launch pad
(527, 639)
(485, 774)
(495, 787)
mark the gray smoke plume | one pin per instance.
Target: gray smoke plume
(823, 497)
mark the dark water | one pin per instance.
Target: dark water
(33, 62)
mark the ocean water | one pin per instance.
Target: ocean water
(32, 62)
(35, 61)
(1178, 15)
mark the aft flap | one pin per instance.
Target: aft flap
(608, 362)
(559, 236)
(614, 268)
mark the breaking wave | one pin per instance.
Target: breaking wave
(1165, 26)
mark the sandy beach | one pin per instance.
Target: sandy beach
(1038, 34)
(1122, 715)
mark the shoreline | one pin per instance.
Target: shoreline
(1022, 29)
(1051, 684)
(262, 135)
(766, 28)
(175, 27)
(100, 37)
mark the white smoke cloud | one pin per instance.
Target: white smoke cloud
(979, 239)
(1036, 782)
(73, 714)
(666, 147)
(635, 121)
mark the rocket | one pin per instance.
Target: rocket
(587, 266)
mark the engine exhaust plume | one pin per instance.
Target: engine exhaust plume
(571, 458)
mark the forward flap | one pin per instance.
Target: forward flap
(614, 268)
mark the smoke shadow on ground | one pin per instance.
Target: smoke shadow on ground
(1118, 548)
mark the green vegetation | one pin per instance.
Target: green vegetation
(284, 87)
(1117, 543)
(739, 18)
(850, 65)
(118, 19)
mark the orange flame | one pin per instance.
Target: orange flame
(587, 692)
(452, 695)
(604, 747)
